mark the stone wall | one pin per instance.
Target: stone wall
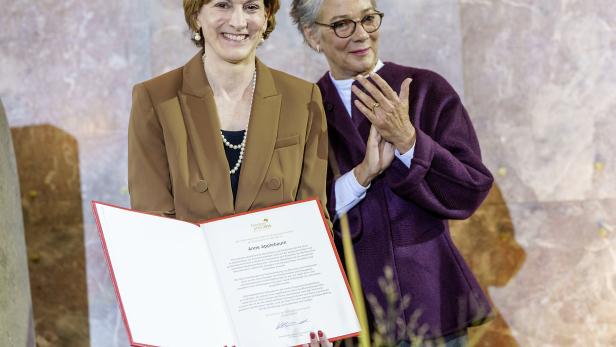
(536, 77)
(540, 83)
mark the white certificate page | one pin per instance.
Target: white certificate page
(280, 276)
(165, 280)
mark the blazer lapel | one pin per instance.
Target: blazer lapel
(361, 123)
(262, 134)
(344, 137)
(201, 118)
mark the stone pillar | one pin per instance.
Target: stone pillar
(16, 325)
(47, 160)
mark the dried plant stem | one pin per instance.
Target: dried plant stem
(475, 338)
(353, 273)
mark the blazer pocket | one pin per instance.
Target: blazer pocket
(287, 141)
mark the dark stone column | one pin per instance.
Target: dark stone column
(48, 165)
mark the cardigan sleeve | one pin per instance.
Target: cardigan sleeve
(447, 176)
(149, 182)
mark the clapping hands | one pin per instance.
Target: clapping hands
(379, 155)
(386, 110)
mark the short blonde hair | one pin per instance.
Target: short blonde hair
(192, 8)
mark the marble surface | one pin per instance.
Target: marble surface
(540, 84)
(537, 79)
(541, 88)
(71, 65)
(564, 295)
(16, 324)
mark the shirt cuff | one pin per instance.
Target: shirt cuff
(348, 192)
(354, 185)
(406, 157)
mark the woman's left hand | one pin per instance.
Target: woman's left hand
(387, 111)
(318, 340)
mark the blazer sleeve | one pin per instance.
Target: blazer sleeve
(314, 166)
(447, 176)
(149, 182)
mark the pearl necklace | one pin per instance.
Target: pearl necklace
(241, 146)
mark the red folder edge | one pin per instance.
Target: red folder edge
(115, 284)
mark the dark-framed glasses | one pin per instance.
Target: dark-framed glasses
(346, 27)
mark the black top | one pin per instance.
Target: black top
(235, 138)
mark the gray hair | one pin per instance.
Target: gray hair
(305, 12)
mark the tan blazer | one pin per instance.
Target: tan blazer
(176, 161)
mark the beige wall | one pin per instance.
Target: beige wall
(540, 83)
(537, 78)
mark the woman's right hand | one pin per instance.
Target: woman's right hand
(379, 155)
(318, 340)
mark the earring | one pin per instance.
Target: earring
(318, 48)
(197, 36)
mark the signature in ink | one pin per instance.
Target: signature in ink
(287, 324)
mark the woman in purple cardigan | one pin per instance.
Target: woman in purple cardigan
(404, 159)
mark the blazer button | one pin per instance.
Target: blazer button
(201, 186)
(274, 183)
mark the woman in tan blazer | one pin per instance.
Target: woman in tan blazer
(224, 133)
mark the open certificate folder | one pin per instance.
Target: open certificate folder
(262, 278)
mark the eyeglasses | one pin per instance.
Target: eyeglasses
(346, 27)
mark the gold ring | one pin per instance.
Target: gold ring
(374, 106)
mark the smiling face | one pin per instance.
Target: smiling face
(232, 29)
(347, 57)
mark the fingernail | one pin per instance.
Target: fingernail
(312, 336)
(320, 333)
